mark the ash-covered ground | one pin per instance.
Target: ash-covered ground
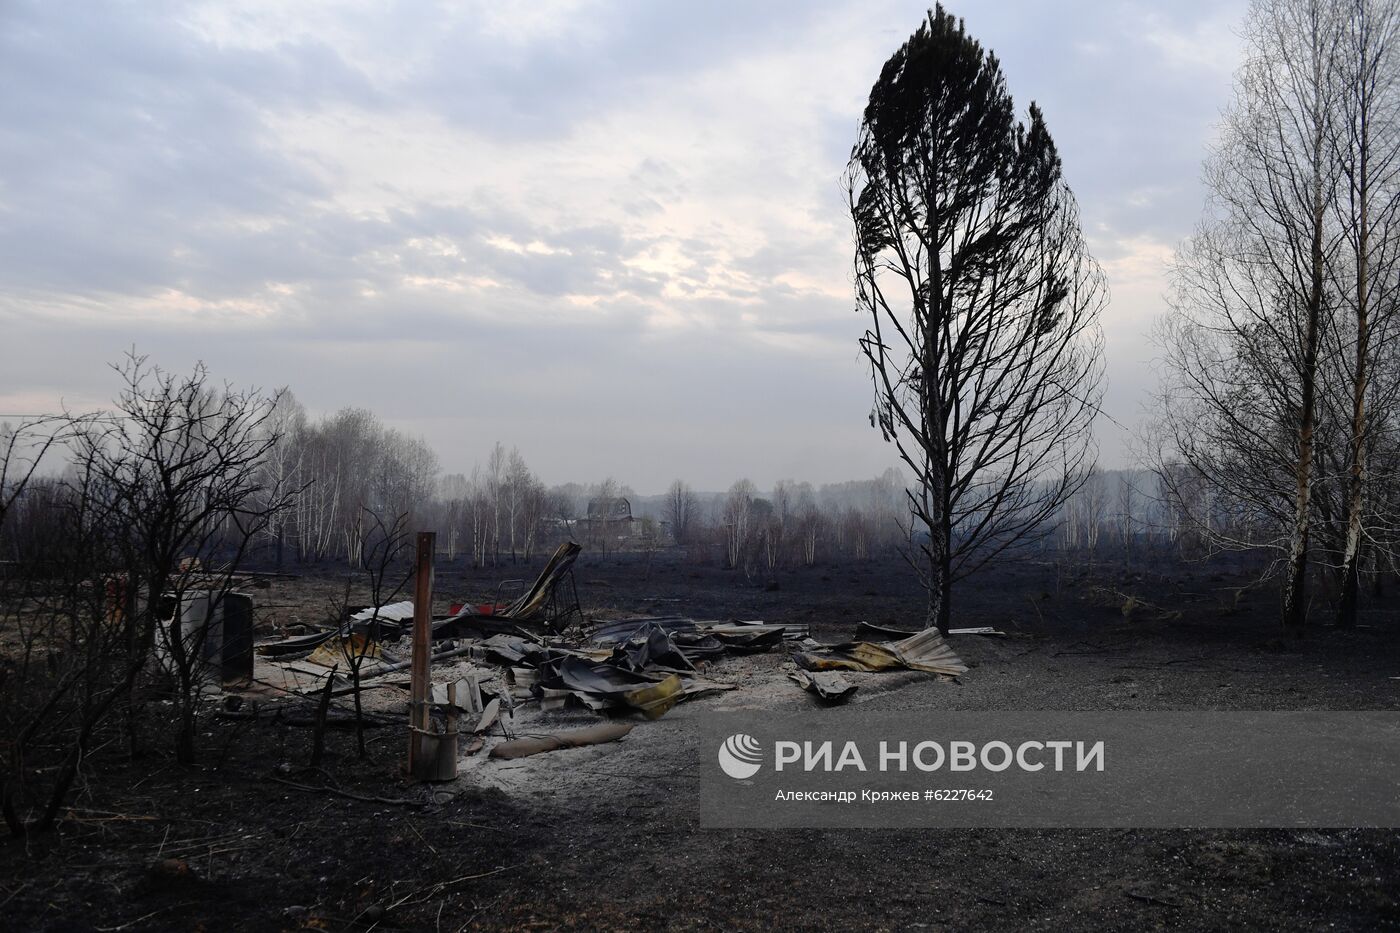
(608, 837)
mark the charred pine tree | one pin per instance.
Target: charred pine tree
(983, 346)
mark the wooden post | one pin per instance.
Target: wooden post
(419, 705)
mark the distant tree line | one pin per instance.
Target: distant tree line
(496, 511)
(344, 468)
(794, 525)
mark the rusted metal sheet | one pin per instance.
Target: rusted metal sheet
(925, 651)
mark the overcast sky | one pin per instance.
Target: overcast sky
(610, 234)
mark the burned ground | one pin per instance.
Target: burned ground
(609, 838)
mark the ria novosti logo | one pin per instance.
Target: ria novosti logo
(740, 756)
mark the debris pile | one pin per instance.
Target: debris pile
(643, 664)
(531, 655)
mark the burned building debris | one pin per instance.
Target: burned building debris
(490, 676)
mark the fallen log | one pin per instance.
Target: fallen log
(576, 738)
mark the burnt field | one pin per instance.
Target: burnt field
(608, 837)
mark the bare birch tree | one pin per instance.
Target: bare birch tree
(495, 482)
(680, 510)
(282, 466)
(518, 486)
(1253, 296)
(1367, 144)
(737, 520)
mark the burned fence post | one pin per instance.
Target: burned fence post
(420, 765)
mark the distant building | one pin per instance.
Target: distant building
(610, 520)
(610, 510)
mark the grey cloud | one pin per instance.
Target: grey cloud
(132, 140)
(544, 87)
(137, 157)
